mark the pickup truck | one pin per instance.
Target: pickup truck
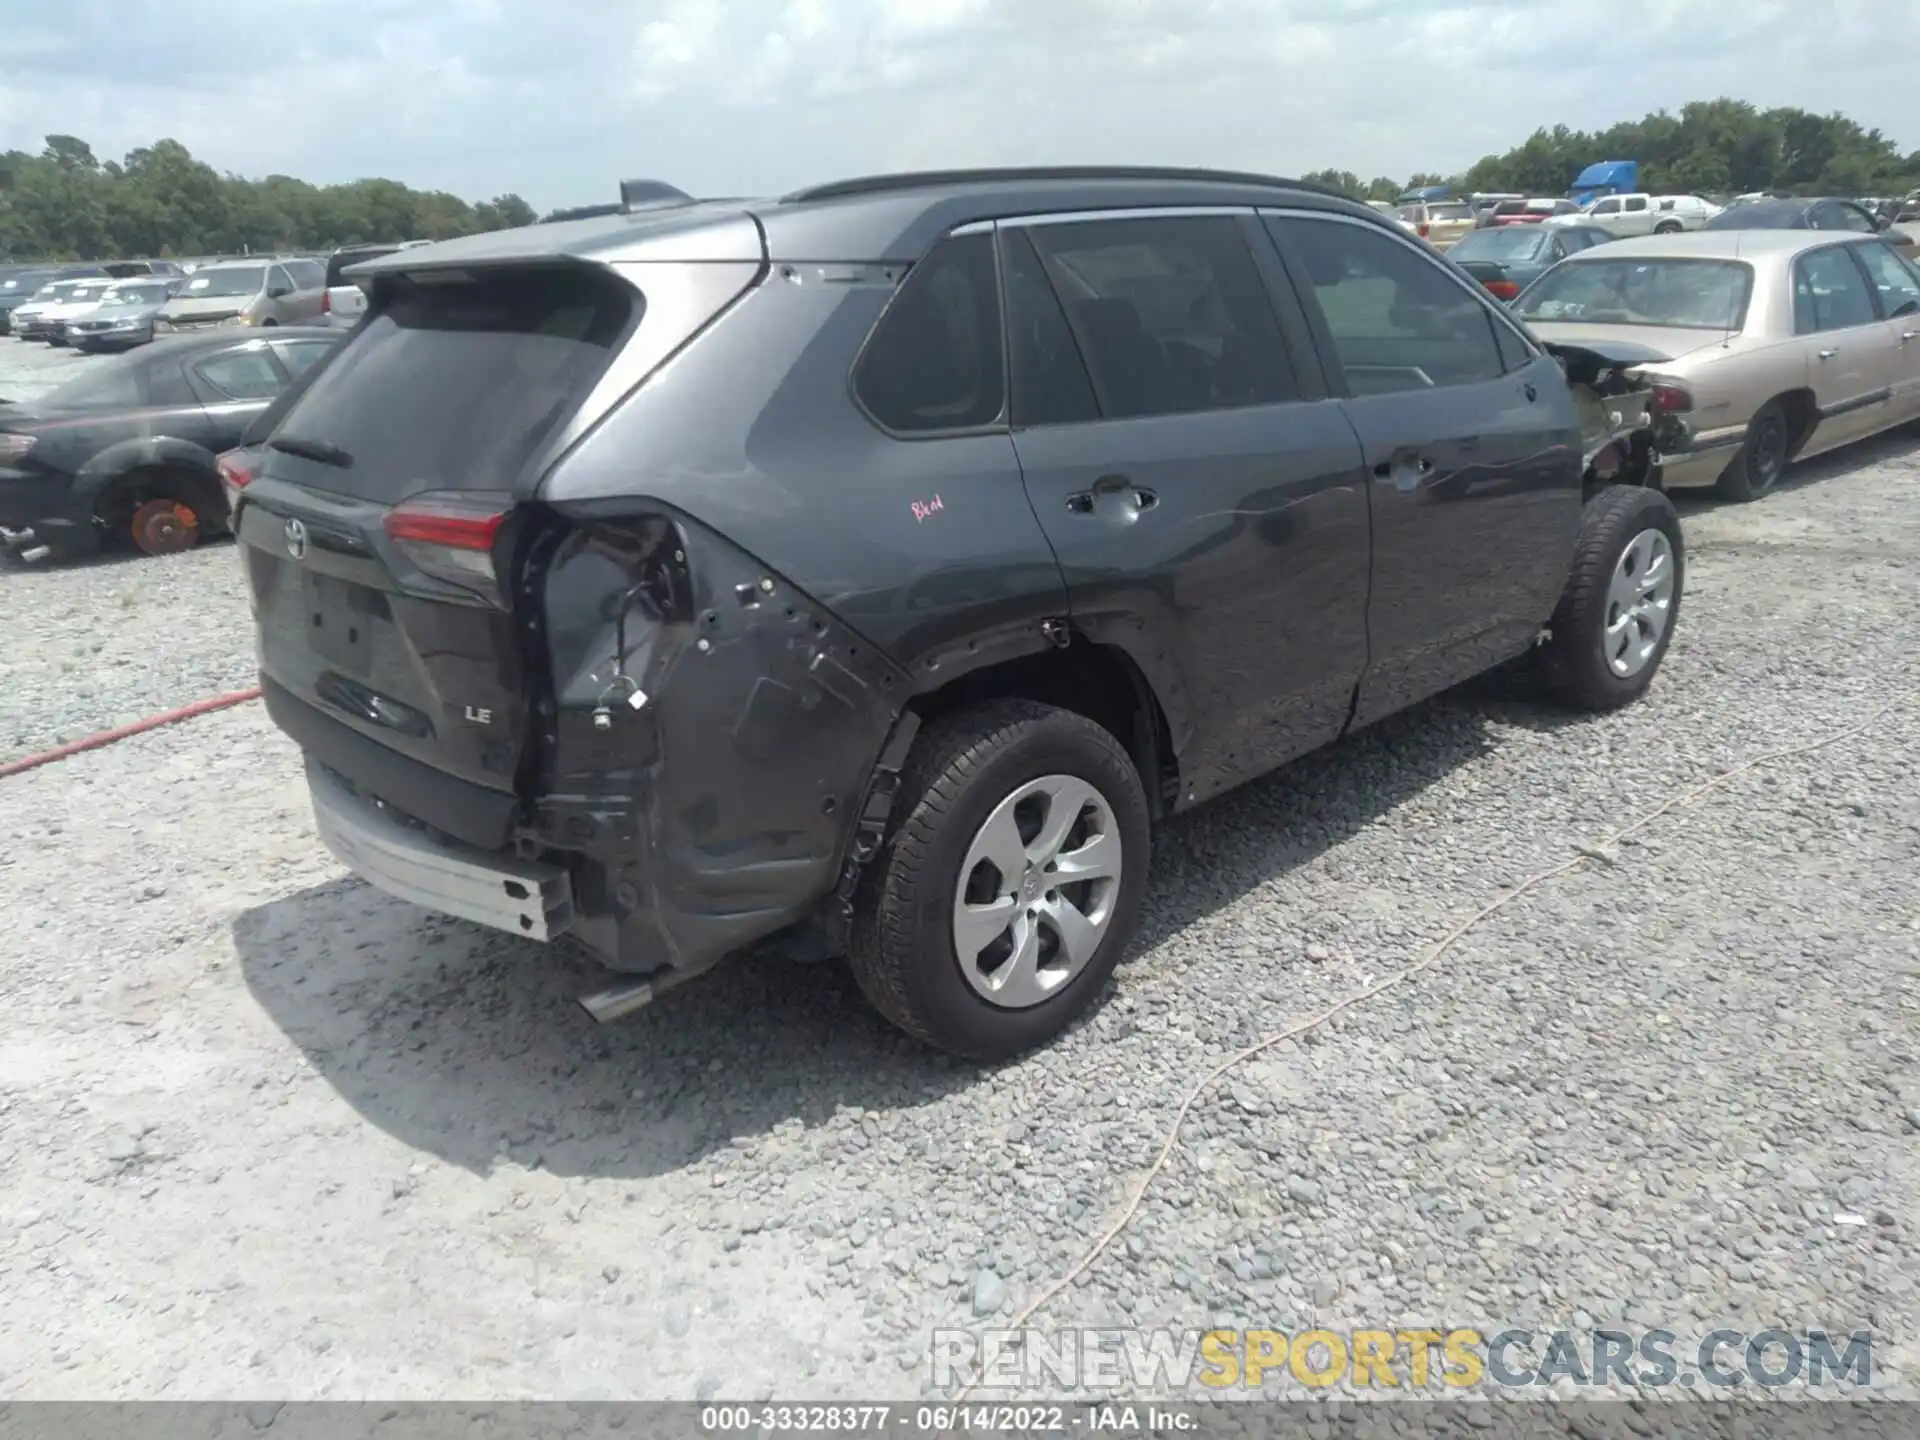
(1624, 216)
(691, 579)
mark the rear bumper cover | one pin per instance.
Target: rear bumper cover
(415, 864)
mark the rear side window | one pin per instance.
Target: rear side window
(1397, 320)
(933, 363)
(307, 274)
(1050, 382)
(1170, 314)
(455, 385)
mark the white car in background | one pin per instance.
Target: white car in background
(1626, 216)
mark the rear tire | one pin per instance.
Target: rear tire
(1667, 227)
(1002, 779)
(1617, 615)
(1762, 459)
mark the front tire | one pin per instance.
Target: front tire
(1010, 881)
(1617, 615)
(1762, 459)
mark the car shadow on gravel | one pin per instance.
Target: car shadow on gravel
(465, 1043)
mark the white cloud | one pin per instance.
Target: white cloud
(558, 99)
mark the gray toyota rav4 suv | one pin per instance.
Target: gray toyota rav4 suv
(868, 570)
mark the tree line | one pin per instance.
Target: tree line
(66, 203)
(1712, 147)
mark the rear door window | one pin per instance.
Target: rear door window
(1830, 293)
(1170, 315)
(455, 385)
(933, 362)
(300, 356)
(1397, 320)
(249, 374)
(1050, 381)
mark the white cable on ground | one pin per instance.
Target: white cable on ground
(1603, 853)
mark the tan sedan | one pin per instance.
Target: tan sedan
(1769, 345)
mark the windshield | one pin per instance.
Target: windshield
(136, 295)
(59, 290)
(1501, 245)
(1689, 294)
(1453, 210)
(225, 281)
(86, 292)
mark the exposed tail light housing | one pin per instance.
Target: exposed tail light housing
(1424, 229)
(450, 535)
(1502, 289)
(236, 469)
(326, 301)
(13, 447)
(1670, 400)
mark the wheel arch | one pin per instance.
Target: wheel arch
(156, 467)
(1101, 680)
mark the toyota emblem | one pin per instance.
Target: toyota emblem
(296, 539)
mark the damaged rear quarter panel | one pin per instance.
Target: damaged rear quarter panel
(893, 564)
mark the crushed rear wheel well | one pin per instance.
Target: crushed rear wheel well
(1100, 682)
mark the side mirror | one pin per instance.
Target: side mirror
(278, 292)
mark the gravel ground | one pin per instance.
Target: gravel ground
(264, 1132)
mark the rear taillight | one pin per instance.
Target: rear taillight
(1424, 228)
(12, 446)
(1502, 289)
(326, 302)
(1670, 400)
(450, 536)
(235, 470)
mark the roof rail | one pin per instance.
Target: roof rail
(920, 179)
(650, 195)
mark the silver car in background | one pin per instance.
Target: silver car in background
(125, 315)
(247, 292)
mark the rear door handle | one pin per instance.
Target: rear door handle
(1828, 354)
(1906, 335)
(1404, 472)
(1136, 498)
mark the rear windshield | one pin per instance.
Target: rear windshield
(1501, 245)
(352, 257)
(224, 282)
(1760, 215)
(136, 295)
(455, 386)
(111, 383)
(1451, 211)
(1689, 294)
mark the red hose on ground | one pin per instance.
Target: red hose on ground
(138, 727)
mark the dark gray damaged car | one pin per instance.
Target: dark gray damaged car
(871, 568)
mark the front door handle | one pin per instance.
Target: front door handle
(1828, 354)
(1907, 335)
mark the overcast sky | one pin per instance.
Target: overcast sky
(559, 99)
